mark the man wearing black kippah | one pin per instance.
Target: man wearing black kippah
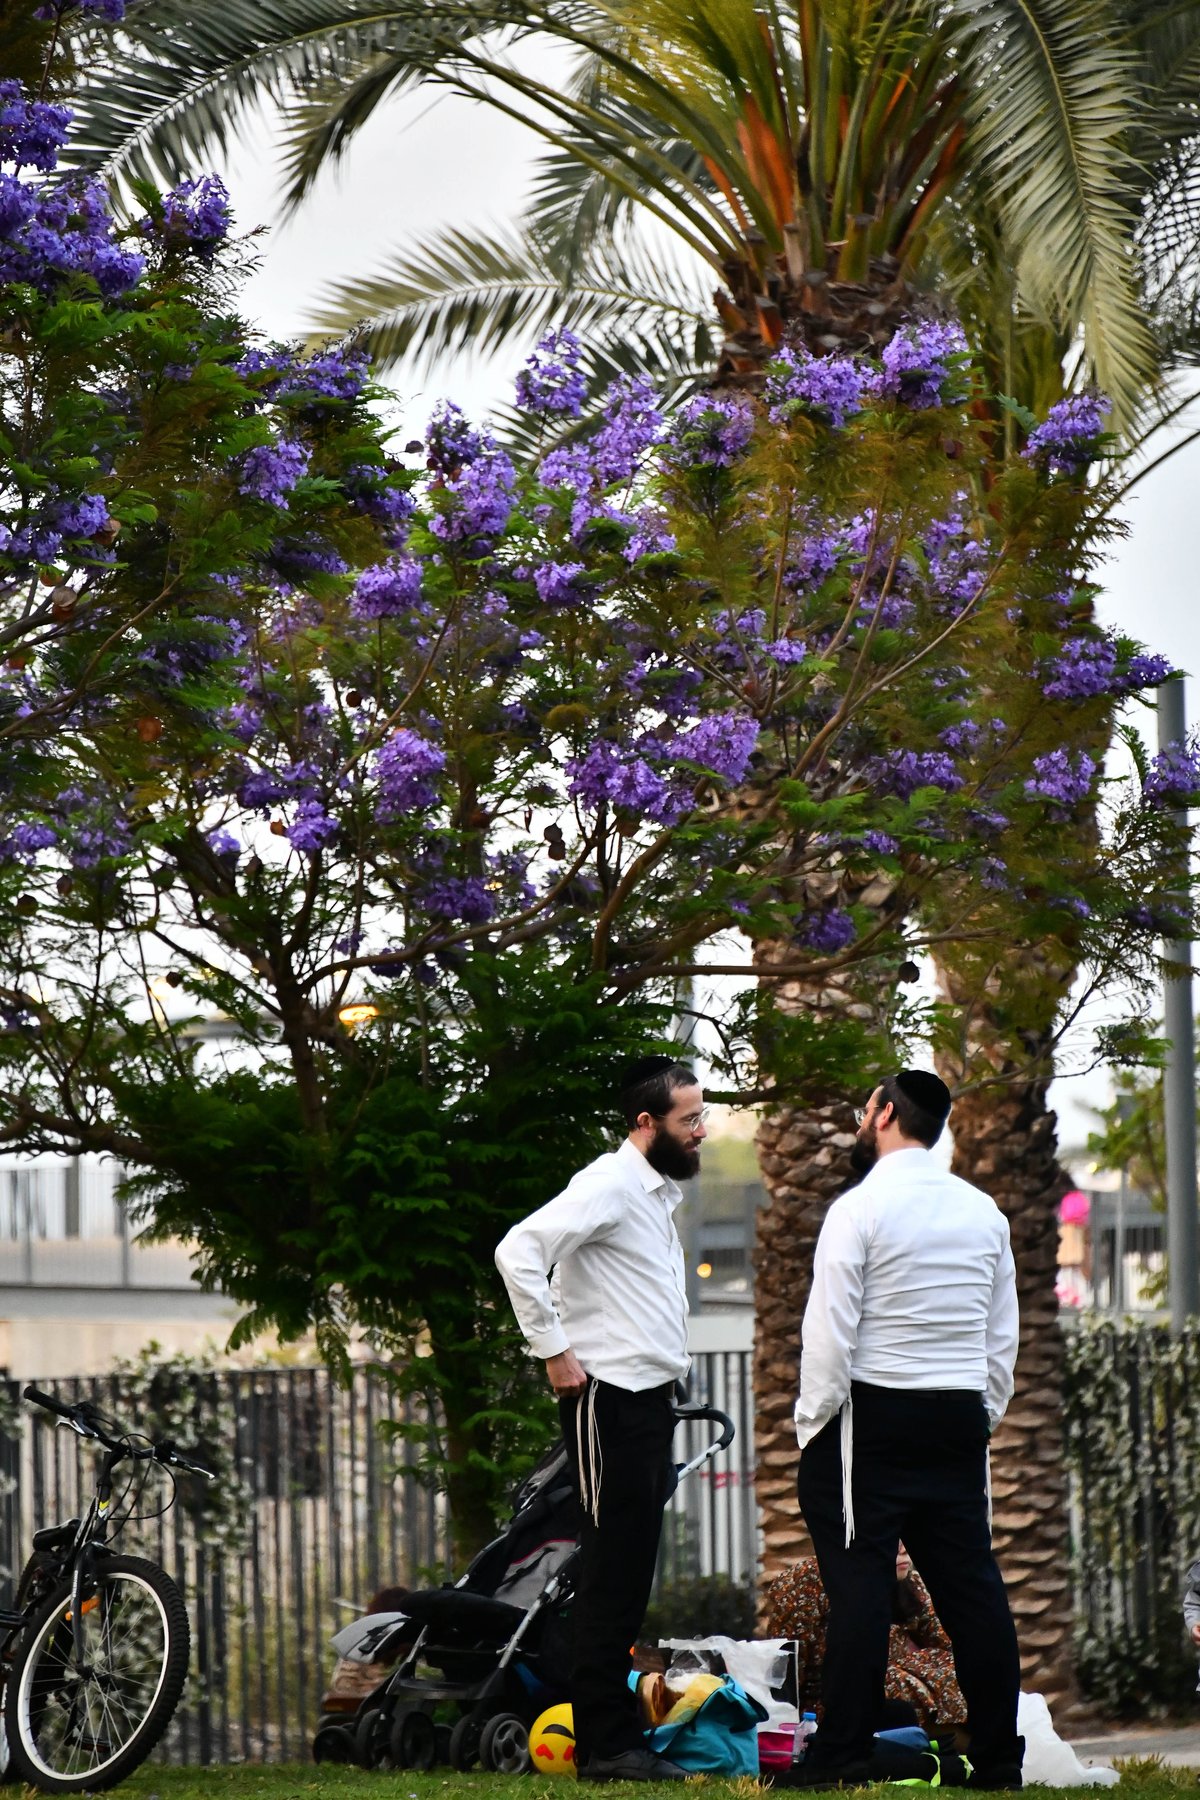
(909, 1344)
(612, 1327)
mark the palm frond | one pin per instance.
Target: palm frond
(179, 82)
(1052, 104)
(475, 293)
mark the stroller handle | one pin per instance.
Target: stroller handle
(719, 1443)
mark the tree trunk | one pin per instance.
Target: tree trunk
(1005, 1142)
(802, 1152)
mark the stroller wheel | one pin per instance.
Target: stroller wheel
(370, 1738)
(413, 1739)
(333, 1744)
(464, 1742)
(504, 1746)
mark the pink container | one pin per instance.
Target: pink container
(776, 1746)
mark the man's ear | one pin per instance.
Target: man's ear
(885, 1116)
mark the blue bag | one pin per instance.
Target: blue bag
(720, 1738)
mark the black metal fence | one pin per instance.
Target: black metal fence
(317, 1508)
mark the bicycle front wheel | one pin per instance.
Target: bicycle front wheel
(81, 1718)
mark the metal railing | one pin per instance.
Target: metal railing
(318, 1510)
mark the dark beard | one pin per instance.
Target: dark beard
(671, 1159)
(864, 1153)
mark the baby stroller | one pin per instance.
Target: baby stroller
(483, 1658)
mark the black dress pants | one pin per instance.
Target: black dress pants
(919, 1475)
(619, 1448)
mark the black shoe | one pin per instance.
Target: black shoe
(997, 1777)
(631, 1765)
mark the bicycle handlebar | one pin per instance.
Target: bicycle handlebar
(82, 1417)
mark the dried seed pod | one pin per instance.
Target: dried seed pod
(278, 828)
(63, 601)
(149, 729)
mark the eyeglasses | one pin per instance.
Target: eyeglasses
(860, 1113)
(693, 1121)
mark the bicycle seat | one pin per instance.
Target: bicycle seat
(55, 1537)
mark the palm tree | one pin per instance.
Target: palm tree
(833, 168)
(812, 157)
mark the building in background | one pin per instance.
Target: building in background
(77, 1288)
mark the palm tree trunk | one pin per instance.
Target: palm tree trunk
(802, 1152)
(1005, 1142)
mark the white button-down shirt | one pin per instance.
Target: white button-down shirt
(619, 1295)
(913, 1287)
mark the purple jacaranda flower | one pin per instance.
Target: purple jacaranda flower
(558, 584)
(290, 561)
(1083, 669)
(194, 216)
(51, 234)
(223, 843)
(552, 383)
(270, 471)
(1173, 778)
(620, 777)
(811, 560)
(1058, 777)
(711, 430)
(406, 766)
(92, 830)
(961, 738)
(311, 826)
(480, 499)
(902, 772)
(786, 650)
(1069, 437)
(337, 375)
(986, 822)
(112, 10)
(1145, 671)
(721, 742)
(370, 491)
(260, 789)
(925, 365)
(24, 841)
(387, 589)
(461, 898)
(827, 931)
(31, 131)
(881, 842)
(832, 388)
(82, 517)
(451, 440)
(632, 423)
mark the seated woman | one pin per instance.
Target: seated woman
(920, 1671)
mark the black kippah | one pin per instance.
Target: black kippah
(645, 1068)
(926, 1090)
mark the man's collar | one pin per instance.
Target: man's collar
(897, 1161)
(651, 1178)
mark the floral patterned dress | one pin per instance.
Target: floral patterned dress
(920, 1661)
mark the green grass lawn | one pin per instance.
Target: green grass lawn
(1151, 1779)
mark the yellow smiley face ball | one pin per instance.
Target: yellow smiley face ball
(552, 1742)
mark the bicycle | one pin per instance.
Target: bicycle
(97, 1648)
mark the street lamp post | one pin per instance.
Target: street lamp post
(1179, 1075)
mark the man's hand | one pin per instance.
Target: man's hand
(567, 1374)
(1196, 1634)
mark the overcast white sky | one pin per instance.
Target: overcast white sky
(428, 164)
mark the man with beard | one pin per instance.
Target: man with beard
(909, 1343)
(612, 1328)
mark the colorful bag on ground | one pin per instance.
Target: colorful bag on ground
(712, 1729)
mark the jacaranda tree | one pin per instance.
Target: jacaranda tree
(423, 781)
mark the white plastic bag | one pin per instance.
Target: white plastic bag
(1048, 1759)
(757, 1666)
